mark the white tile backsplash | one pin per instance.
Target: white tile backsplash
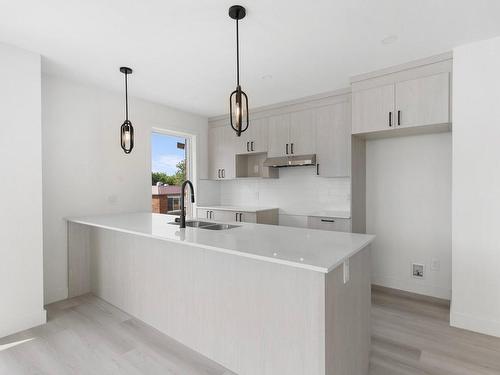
(297, 191)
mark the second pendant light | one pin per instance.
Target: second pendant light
(238, 101)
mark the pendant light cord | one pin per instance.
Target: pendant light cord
(126, 97)
(237, 55)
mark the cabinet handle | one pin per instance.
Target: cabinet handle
(291, 148)
(287, 148)
(251, 144)
(236, 216)
(218, 173)
(328, 220)
(248, 146)
(390, 118)
(399, 118)
(211, 214)
(317, 169)
(241, 217)
(223, 173)
(208, 213)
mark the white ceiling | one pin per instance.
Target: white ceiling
(183, 52)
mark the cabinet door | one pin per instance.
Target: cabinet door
(214, 150)
(302, 133)
(259, 135)
(247, 217)
(333, 140)
(223, 215)
(371, 109)
(423, 101)
(203, 214)
(255, 139)
(227, 153)
(278, 135)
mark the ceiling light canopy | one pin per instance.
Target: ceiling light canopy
(238, 101)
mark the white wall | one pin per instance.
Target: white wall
(85, 172)
(21, 263)
(297, 192)
(408, 207)
(476, 187)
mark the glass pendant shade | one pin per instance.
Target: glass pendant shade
(126, 130)
(127, 136)
(238, 105)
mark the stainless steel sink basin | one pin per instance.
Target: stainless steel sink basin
(207, 225)
(197, 224)
(220, 226)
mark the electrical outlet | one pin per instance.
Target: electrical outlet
(435, 264)
(418, 270)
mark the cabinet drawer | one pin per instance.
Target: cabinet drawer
(329, 223)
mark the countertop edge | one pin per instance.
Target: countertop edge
(207, 247)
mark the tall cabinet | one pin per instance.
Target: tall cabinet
(413, 98)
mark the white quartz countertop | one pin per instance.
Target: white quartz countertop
(310, 249)
(237, 208)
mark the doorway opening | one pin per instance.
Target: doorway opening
(170, 167)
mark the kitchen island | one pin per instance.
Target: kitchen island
(258, 299)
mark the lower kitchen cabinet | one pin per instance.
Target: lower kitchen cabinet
(329, 223)
(258, 216)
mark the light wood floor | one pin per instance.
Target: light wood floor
(411, 336)
(86, 335)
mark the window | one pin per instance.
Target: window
(169, 169)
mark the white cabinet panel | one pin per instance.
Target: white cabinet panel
(302, 133)
(423, 101)
(372, 109)
(278, 135)
(333, 140)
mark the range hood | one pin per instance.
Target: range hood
(290, 161)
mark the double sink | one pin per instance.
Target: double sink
(207, 225)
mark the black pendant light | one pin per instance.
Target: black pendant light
(238, 101)
(126, 130)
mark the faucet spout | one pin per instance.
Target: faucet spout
(183, 207)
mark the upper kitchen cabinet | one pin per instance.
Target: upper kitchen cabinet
(406, 99)
(333, 140)
(423, 101)
(221, 158)
(292, 134)
(373, 109)
(302, 132)
(279, 135)
(254, 139)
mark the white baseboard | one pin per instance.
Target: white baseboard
(472, 323)
(19, 322)
(424, 289)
